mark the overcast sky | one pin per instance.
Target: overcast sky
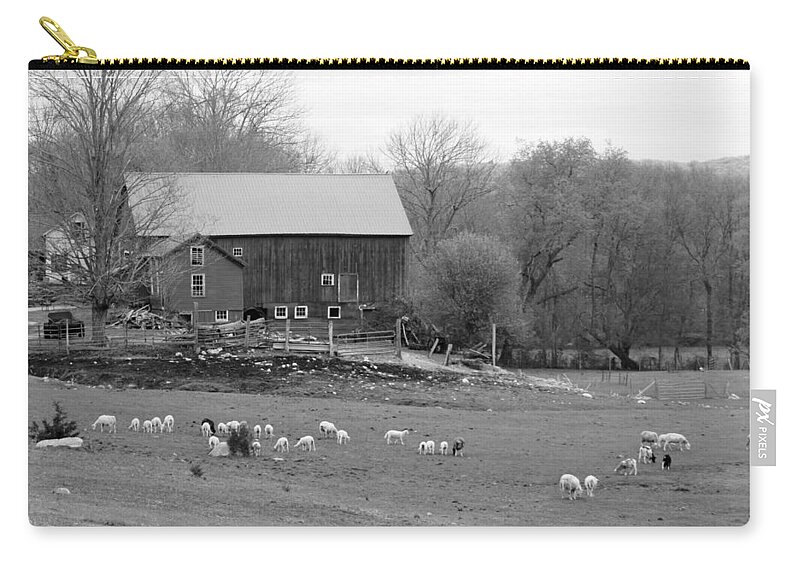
(674, 115)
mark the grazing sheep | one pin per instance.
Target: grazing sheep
(430, 447)
(106, 421)
(169, 423)
(211, 424)
(626, 466)
(232, 425)
(646, 454)
(669, 439)
(134, 424)
(590, 483)
(156, 421)
(666, 462)
(306, 443)
(268, 431)
(256, 448)
(571, 485)
(206, 429)
(393, 436)
(649, 438)
(257, 431)
(423, 448)
(327, 429)
(223, 428)
(147, 426)
(443, 448)
(282, 444)
(213, 442)
(458, 447)
(342, 437)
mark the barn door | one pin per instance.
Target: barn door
(348, 287)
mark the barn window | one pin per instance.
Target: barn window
(334, 312)
(327, 279)
(301, 312)
(198, 285)
(281, 312)
(196, 255)
(237, 252)
(221, 316)
(348, 287)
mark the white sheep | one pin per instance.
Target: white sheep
(646, 454)
(268, 431)
(458, 447)
(134, 424)
(590, 483)
(669, 439)
(106, 421)
(223, 428)
(206, 429)
(649, 438)
(430, 447)
(156, 422)
(282, 444)
(327, 429)
(147, 426)
(213, 441)
(342, 437)
(306, 443)
(233, 425)
(443, 448)
(423, 448)
(257, 431)
(393, 436)
(626, 466)
(256, 448)
(169, 423)
(571, 485)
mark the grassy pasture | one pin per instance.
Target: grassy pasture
(508, 477)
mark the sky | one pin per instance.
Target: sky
(677, 115)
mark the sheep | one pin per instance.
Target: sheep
(223, 428)
(430, 447)
(342, 437)
(211, 424)
(626, 466)
(257, 431)
(393, 436)
(106, 421)
(423, 448)
(666, 462)
(327, 429)
(646, 454)
(156, 421)
(147, 426)
(306, 443)
(649, 438)
(669, 439)
(443, 448)
(134, 424)
(232, 425)
(458, 447)
(282, 444)
(256, 448)
(213, 442)
(206, 429)
(571, 485)
(169, 423)
(268, 431)
(590, 483)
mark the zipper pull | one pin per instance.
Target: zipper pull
(72, 52)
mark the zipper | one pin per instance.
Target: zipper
(72, 55)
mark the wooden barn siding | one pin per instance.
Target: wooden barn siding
(224, 284)
(286, 270)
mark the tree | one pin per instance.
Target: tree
(85, 130)
(441, 167)
(471, 282)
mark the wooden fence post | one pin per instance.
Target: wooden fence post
(398, 344)
(433, 348)
(67, 338)
(494, 344)
(330, 337)
(447, 355)
(195, 325)
(286, 335)
(247, 332)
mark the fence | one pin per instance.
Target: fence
(116, 337)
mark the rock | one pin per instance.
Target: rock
(220, 450)
(641, 402)
(61, 491)
(586, 395)
(63, 442)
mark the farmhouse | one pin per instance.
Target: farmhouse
(306, 245)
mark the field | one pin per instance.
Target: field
(520, 437)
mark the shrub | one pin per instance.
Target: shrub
(239, 441)
(56, 429)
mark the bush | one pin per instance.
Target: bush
(239, 441)
(58, 429)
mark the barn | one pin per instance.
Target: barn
(311, 246)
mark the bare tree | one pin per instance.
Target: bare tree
(85, 129)
(441, 167)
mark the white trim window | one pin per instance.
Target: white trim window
(301, 312)
(196, 255)
(221, 316)
(327, 279)
(237, 252)
(198, 285)
(282, 312)
(334, 312)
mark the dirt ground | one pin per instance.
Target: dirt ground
(521, 436)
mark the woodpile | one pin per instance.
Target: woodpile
(143, 318)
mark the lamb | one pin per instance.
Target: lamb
(213, 442)
(106, 421)
(443, 448)
(134, 424)
(666, 462)
(282, 444)
(591, 483)
(206, 429)
(327, 429)
(646, 454)
(342, 436)
(156, 421)
(257, 431)
(147, 426)
(256, 448)
(669, 439)
(169, 423)
(649, 438)
(268, 431)
(430, 447)
(626, 466)
(232, 425)
(393, 436)
(423, 448)
(211, 424)
(458, 447)
(306, 443)
(223, 428)
(570, 484)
